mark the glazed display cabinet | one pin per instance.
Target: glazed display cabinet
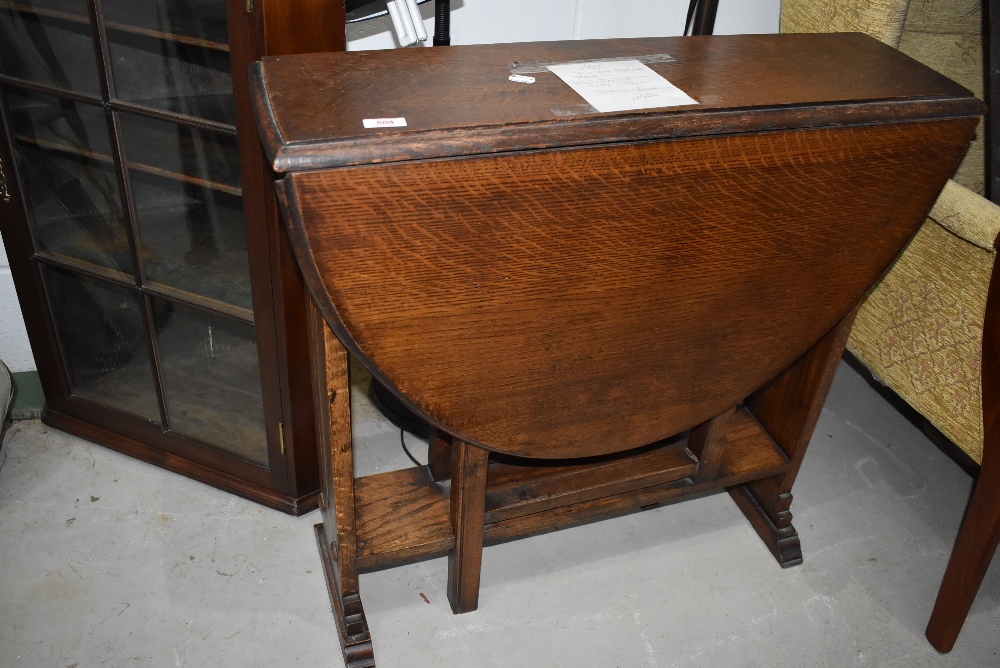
(160, 299)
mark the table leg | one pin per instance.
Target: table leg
(708, 443)
(438, 453)
(788, 408)
(468, 514)
(336, 534)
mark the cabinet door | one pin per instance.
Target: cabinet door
(121, 122)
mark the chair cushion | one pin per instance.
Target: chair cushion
(882, 19)
(920, 332)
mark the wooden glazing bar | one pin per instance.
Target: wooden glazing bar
(168, 36)
(114, 25)
(63, 148)
(45, 12)
(86, 268)
(185, 178)
(47, 89)
(171, 116)
(198, 301)
(164, 173)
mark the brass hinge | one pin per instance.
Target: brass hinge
(4, 193)
(249, 6)
(281, 436)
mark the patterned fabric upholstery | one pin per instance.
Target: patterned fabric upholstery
(920, 329)
(947, 35)
(882, 19)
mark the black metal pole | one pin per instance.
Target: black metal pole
(442, 22)
(704, 17)
(991, 23)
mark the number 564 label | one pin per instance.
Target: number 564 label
(384, 122)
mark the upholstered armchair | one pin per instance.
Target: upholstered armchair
(930, 330)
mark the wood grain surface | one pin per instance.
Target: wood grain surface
(468, 494)
(569, 303)
(458, 100)
(332, 408)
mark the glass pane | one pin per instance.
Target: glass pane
(171, 75)
(186, 197)
(203, 155)
(49, 46)
(100, 326)
(211, 379)
(63, 158)
(200, 19)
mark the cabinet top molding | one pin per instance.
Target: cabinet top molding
(459, 101)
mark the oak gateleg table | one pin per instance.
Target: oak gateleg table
(594, 312)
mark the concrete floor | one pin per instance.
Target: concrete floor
(105, 560)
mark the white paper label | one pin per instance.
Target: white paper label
(620, 85)
(520, 78)
(384, 122)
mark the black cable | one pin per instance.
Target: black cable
(442, 22)
(402, 442)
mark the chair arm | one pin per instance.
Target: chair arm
(968, 215)
(920, 330)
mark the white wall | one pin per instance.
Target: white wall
(481, 22)
(14, 350)
(489, 21)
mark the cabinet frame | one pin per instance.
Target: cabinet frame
(289, 482)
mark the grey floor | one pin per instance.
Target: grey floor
(107, 561)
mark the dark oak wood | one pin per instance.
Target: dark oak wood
(708, 443)
(468, 497)
(292, 27)
(336, 535)
(789, 81)
(303, 26)
(787, 408)
(991, 56)
(381, 499)
(288, 480)
(355, 637)
(331, 392)
(979, 532)
(246, 481)
(439, 454)
(546, 383)
(601, 312)
(243, 28)
(527, 486)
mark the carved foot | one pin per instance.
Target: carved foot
(778, 534)
(355, 640)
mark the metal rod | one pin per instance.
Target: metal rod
(442, 22)
(704, 17)
(991, 23)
